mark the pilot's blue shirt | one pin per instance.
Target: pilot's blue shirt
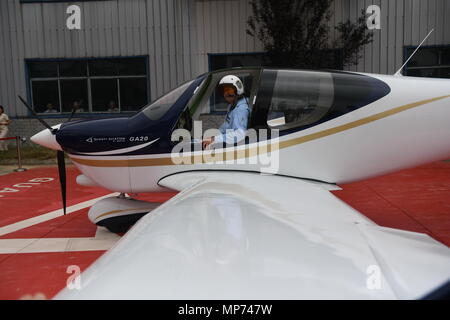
(235, 125)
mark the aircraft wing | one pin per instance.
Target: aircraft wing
(241, 235)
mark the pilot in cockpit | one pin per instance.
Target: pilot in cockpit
(234, 128)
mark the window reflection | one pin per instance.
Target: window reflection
(300, 98)
(157, 109)
(306, 98)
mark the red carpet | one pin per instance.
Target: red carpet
(416, 200)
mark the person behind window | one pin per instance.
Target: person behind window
(50, 108)
(4, 123)
(112, 106)
(77, 106)
(236, 121)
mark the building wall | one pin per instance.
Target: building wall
(162, 29)
(178, 35)
(403, 23)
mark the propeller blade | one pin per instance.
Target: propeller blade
(45, 124)
(59, 155)
(62, 176)
(71, 115)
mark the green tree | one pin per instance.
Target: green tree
(295, 33)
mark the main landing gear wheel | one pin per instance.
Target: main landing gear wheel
(118, 214)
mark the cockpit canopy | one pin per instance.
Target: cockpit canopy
(158, 108)
(300, 99)
(286, 100)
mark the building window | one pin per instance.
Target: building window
(433, 62)
(88, 85)
(223, 61)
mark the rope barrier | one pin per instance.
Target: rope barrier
(19, 158)
(9, 138)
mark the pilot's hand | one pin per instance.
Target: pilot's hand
(207, 142)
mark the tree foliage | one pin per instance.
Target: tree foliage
(295, 33)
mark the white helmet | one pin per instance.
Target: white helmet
(234, 81)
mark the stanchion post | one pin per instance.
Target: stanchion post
(19, 157)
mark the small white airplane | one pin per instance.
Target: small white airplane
(257, 221)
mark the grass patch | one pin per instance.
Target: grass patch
(29, 155)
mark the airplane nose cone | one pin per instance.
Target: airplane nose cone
(47, 139)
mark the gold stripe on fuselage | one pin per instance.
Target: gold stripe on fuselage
(239, 154)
